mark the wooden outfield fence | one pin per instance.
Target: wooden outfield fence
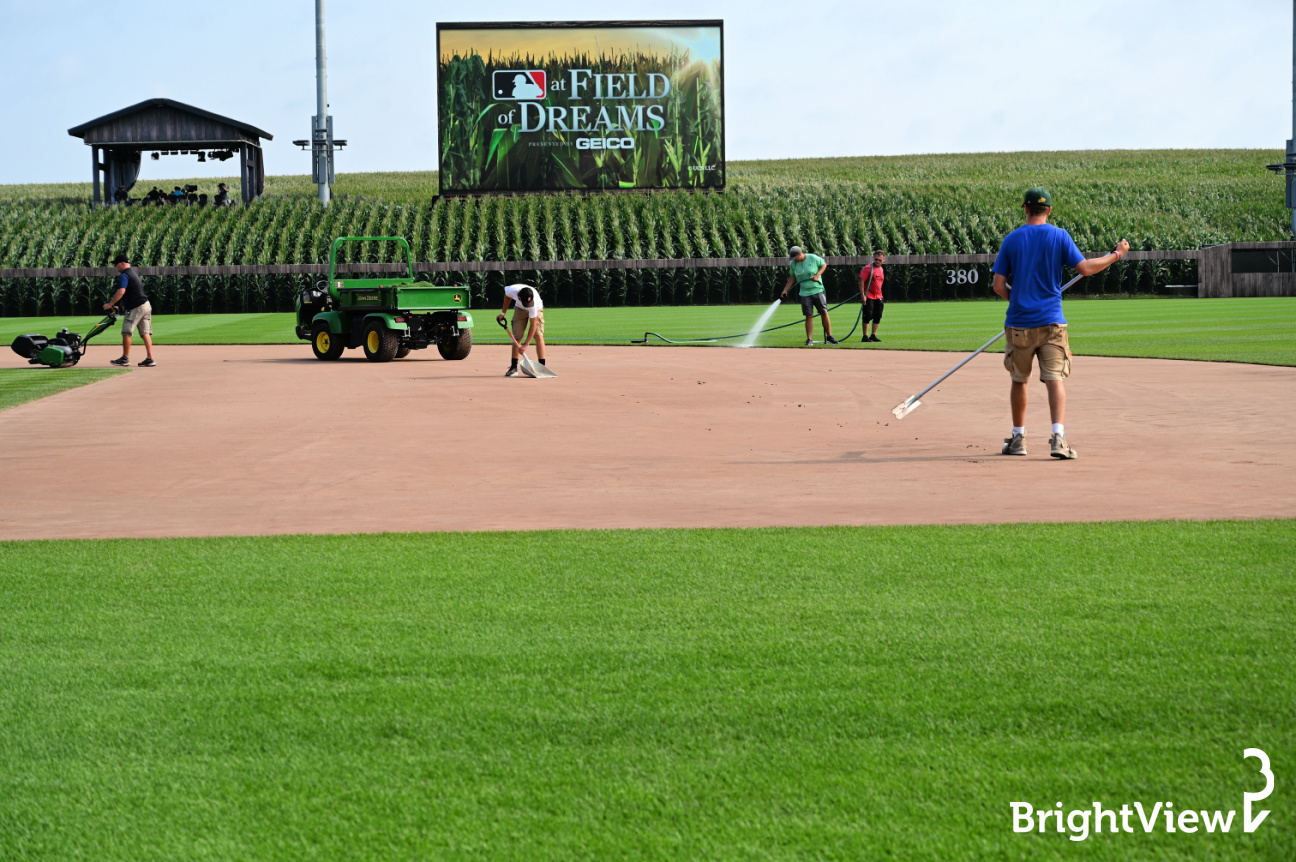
(544, 265)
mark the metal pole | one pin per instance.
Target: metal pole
(319, 137)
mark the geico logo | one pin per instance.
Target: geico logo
(605, 143)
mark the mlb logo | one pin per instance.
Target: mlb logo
(518, 84)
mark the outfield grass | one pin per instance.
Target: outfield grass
(1236, 330)
(780, 693)
(20, 385)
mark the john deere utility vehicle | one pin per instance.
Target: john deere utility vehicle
(388, 317)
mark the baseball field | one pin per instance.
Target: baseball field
(257, 606)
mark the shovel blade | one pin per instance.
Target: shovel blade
(533, 369)
(904, 408)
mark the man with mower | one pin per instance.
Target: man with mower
(528, 322)
(138, 312)
(806, 272)
(1028, 273)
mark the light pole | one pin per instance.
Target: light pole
(321, 143)
(1288, 166)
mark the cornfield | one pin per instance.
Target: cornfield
(905, 205)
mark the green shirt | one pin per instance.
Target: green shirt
(804, 270)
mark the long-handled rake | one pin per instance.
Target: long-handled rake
(910, 404)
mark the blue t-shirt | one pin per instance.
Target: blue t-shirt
(1032, 258)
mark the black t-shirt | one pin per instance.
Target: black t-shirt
(135, 295)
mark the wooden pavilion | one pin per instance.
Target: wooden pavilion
(118, 141)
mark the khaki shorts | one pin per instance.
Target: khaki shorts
(140, 317)
(520, 318)
(1050, 342)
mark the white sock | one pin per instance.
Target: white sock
(1057, 429)
(1019, 430)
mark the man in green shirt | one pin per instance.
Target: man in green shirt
(807, 273)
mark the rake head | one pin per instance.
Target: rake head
(904, 408)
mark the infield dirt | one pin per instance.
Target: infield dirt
(254, 440)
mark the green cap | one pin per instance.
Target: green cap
(1039, 196)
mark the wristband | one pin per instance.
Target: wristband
(1117, 253)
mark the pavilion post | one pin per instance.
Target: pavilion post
(94, 172)
(243, 173)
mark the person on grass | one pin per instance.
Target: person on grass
(1028, 273)
(807, 273)
(871, 295)
(138, 311)
(528, 321)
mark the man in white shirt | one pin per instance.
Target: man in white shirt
(527, 308)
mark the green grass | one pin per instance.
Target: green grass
(1259, 330)
(20, 385)
(837, 693)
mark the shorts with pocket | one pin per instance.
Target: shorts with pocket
(1049, 342)
(808, 303)
(140, 317)
(520, 318)
(872, 310)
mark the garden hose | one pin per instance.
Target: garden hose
(644, 340)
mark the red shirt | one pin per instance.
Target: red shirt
(874, 274)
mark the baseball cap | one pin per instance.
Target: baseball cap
(526, 297)
(121, 258)
(794, 252)
(1039, 196)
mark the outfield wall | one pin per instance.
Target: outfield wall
(566, 283)
(1248, 269)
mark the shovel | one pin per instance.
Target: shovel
(526, 366)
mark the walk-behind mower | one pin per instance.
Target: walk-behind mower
(63, 350)
(386, 316)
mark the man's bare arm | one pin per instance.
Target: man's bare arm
(1095, 265)
(1001, 285)
(116, 298)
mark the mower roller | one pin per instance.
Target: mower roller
(63, 350)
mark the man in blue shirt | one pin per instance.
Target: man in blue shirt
(1028, 273)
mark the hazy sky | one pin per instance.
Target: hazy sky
(808, 78)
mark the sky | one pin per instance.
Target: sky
(805, 79)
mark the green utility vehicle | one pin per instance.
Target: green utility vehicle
(388, 317)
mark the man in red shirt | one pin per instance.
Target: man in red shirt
(871, 294)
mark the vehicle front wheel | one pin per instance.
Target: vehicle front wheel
(456, 348)
(402, 352)
(326, 345)
(380, 343)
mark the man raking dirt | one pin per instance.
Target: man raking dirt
(1028, 273)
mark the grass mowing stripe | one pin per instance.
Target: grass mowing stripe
(20, 385)
(1260, 330)
(837, 692)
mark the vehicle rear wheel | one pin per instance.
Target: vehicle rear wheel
(402, 352)
(380, 343)
(457, 348)
(326, 345)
